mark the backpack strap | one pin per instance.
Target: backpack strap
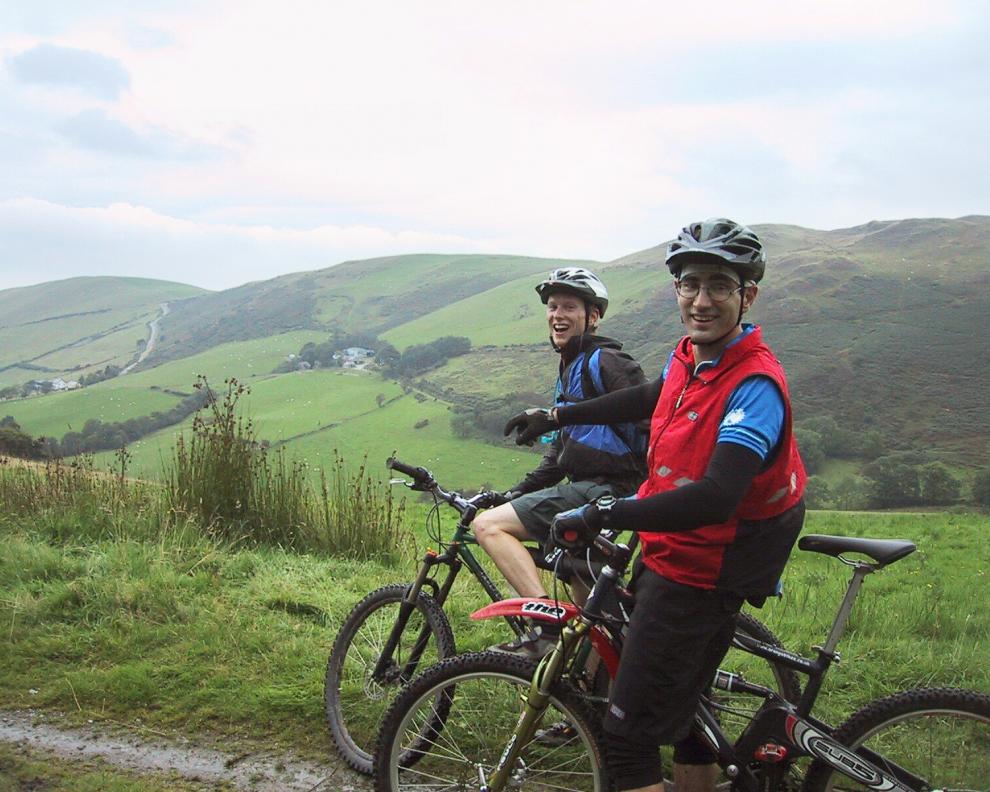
(591, 385)
(591, 378)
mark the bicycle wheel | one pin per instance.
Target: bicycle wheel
(736, 710)
(354, 700)
(482, 693)
(941, 735)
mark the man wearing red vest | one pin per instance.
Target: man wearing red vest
(717, 515)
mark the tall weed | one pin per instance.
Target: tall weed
(359, 517)
(221, 482)
(73, 500)
(238, 489)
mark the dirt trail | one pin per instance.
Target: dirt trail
(259, 772)
(152, 337)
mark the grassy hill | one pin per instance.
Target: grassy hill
(73, 327)
(881, 326)
(372, 295)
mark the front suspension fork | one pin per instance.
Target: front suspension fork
(535, 703)
(406, 607)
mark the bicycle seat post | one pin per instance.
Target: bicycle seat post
(860, 571)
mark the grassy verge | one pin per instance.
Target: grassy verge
(180, 632)
(187, 632)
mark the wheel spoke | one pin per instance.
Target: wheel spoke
(474, 717)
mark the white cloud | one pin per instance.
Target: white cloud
(570, 129)
(122, 239)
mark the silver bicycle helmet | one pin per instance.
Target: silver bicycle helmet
(722, 241)
(577, 280)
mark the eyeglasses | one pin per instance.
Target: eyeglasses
(717, 292)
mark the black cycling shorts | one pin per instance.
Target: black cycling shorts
(677, 637)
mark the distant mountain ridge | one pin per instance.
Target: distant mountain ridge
(882, 326)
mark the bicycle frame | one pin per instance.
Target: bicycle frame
(456, 555)
(551, 667)
(780, 732)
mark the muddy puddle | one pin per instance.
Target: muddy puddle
(140, 753)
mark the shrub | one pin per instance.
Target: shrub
(938, 486)
(817, 494)
(17, 443)
(237, 488)
(981, 487)
(359, 517)
(74, 500)
(851, 493)
(895, 480)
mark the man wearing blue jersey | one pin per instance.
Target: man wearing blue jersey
(595, 460)
(717, 516)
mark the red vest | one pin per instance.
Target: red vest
(683, 433)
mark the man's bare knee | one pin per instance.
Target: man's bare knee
(500, 520)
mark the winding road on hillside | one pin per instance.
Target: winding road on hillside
(152, 337)
(149, 752)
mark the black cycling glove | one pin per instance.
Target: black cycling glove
(531, 424)
(577, 528)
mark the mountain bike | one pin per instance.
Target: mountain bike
(402, 627)
(459, 724)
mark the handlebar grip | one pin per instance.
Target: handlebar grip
(417, 473)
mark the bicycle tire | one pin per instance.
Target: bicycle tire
(353, 702)
(902, 727)
(482, 692)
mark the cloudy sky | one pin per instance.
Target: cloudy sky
(214, 142)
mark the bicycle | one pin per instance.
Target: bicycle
(402, 627)
(458, 725)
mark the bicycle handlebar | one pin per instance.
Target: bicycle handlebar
(423, 480)
(419, 474)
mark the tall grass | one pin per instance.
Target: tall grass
(238, 489)
(221, 481)
(222, 476)
(74, 500)
(358, 513)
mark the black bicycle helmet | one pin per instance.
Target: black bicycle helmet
(722, 240)
(577, 280)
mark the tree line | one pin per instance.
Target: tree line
(412, 361)
(96, 435)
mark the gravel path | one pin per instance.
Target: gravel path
(259, 772)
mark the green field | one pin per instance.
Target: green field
(245, 360)
(512, 313)
(314, 413)
(109, 401)
(529, 370)
(383, 291)
(140, 392)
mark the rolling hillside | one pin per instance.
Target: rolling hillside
(881, 326)
(369, 296)
(74, 327)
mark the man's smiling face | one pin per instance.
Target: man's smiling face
(711, 306)
(704, 318)
(566, 314)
